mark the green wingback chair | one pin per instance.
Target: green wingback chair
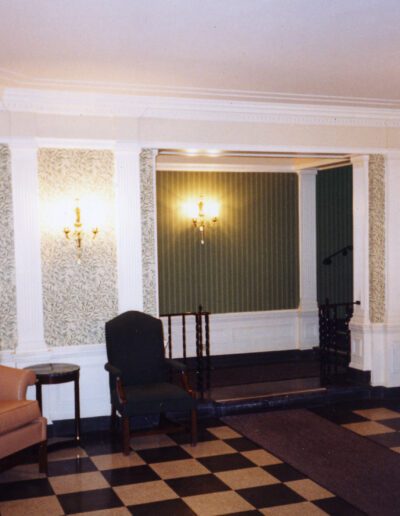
(139, 373)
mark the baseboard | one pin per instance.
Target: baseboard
(66, 427)
(358, 377)
(385, 393)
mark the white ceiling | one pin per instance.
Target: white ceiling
(336, 51)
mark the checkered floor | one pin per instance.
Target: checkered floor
(380, 424)
(164, 475)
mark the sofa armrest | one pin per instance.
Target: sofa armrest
(14, 382)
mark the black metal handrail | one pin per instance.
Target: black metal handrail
(335, 336)
(202, 328)
(344, 252)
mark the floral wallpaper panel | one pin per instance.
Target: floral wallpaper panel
(78, 298)
(149, 244)
(376, 179)
(8, 310)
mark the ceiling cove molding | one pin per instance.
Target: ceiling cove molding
(208, 167)
(11, 79)
(97, 104)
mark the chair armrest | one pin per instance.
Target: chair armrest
(14, 382)
(114, 371)
(175, 364)
(117, 375)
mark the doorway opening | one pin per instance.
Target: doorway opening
(254, 351)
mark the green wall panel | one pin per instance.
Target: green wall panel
(334, 231)
(250, 258)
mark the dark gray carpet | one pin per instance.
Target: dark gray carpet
(358, 470)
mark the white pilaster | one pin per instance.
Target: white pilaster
(129, 230)
(360, 326)
(308, 309)
(392, 238)
(27, 246)
(391, 350)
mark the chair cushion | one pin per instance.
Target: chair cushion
(154, 398)
(17, 413)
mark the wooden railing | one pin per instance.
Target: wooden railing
(201, 321)
(335, 338)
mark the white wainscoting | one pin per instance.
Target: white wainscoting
(250, 332)
(229, 334)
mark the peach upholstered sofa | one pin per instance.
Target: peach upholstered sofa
(21, 423)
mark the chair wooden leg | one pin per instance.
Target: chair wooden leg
(43, 457)
(126, 433)
(113, 422)
(194, 427)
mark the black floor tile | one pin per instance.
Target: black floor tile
(269, 496)
(242, 444)
(185, 437)
(392, 423)
(98, 499)
(284, 472)
(338, 507)
(390, 440)
(102, 447)
(175, 507)
(25, 489)
(340, 416)
(200, 484)
(70, 466)
(132, 475)
(226, 462)
(163, 454)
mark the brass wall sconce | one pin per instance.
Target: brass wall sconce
(78, 233)
(203, 213)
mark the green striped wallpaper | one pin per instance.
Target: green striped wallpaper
(334, 231)
(250, 258)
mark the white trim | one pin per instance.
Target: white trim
(74, 143)
(209, 167)
(246, 147)
(98, 104)
(307, 239)
(109, 144)
(156, 279)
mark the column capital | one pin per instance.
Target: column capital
(127, 146)
(392, 155)
(307, 172)
(360, 161)
(23, 144)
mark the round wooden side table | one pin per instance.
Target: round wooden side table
(47, 374)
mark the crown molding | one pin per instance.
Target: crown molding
(11, 79)
(110, 105)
